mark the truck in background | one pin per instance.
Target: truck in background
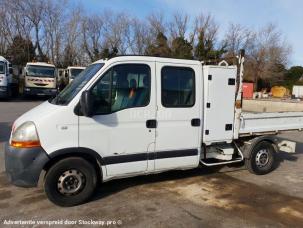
(8, 84)
(72, 72)
(38, 79)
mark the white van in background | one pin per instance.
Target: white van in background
(6, 78)
(72, 72)
(137, 115)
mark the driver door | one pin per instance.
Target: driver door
(124, 100)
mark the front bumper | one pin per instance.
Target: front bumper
(24, 165)
(32, 91)
(3, 91)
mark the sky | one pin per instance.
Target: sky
(286, 14)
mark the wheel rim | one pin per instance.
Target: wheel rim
(262, 158)
(71, 182)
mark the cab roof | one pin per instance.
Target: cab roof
(40, 64)
(2, 59)
(75, 67)
(148, 58)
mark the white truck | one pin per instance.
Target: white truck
(7, 83)
(38, 79)
(137, 115)
(72, 72)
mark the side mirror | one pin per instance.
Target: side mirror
(10, 70)
(86, 103)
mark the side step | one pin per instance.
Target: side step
(221, 163)
(236, 160)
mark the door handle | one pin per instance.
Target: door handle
(151, 123)
(195, 122)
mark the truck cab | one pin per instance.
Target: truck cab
(72, 72)
(6, 78)
(39, 79)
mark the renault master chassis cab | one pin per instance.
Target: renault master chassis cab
(135, 115)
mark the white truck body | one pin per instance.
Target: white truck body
(6, 78)
(39, 79)
(297, 91)
(192, 116)
(72, 72)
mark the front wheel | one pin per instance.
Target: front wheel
(70, 182)
(262, 158)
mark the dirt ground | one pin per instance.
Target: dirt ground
(203, 197)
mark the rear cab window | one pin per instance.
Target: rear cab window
(177, 87)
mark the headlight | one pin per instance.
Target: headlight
(25, 136)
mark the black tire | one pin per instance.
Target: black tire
(257, 164)
(88, 179)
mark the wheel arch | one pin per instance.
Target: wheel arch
(253, 142)
(90, 155)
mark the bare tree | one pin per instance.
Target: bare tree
(34, 10)
(118, 32)
(239, 37)
(73, 51)
(140, 38)
(179, 25)
(53, 22)
(92, 31)
(206, 24)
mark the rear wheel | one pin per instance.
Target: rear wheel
(70, 181)
(262, 158)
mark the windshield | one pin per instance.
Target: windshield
(2, 68)
(70, 91)
(40, 71)
(75, 72)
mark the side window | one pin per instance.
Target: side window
(177, 87)
(123, 86)
(101, 94)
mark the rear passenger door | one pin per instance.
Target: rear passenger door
(178, 115)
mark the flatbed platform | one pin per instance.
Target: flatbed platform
(255, 123)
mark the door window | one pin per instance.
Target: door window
(123, 86)
(177, 87)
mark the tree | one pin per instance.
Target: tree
(140, 40)
(34, 11)
(160, 47)
(106, 53)
(269, 55)
(206, 50)
(92, 30)
(53, 22)
(181, 48)
(20, 51)
(236, 38)
(179, 25)
(206, 30)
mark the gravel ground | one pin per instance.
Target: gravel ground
(203, 197)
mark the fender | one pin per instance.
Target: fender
(77, 151)
(253, 142)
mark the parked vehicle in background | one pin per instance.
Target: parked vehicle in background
(39, 79)
(72, 72)
(8, 84)
(135, 115)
